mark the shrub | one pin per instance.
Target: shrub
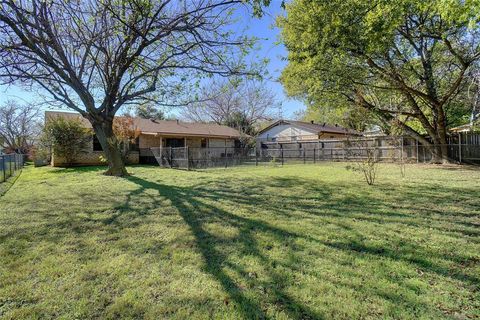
(66, 137)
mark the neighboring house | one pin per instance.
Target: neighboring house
(285, 131)
(158, 134)
(374, 132)
(464, 128)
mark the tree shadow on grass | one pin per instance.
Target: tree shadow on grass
(198, 213)
(213, 202)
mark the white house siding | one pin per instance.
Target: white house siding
(286, 132)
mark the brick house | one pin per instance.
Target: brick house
(156, 134)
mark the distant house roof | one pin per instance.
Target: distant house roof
(463, 128)
(315, 127)
(165, 127)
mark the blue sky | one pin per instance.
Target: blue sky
(262, 28)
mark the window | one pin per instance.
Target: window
(134, 146)
(175, 142)
(96, 144)
(203, 143)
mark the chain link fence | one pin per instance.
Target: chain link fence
(9, 164)
(201, 158)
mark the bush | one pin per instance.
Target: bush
(67, 137)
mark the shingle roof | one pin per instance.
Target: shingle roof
(316, 127)
(166, 127)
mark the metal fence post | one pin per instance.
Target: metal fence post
(417, 152)
(314, 155)
(460, 147)
(188, 157)
(304, 160)
(256, 157)
(226, 160)
(282, 156)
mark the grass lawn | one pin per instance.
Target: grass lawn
(298, 242)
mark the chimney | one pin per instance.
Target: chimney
(323, 125)
(177, 121)
(311, 121)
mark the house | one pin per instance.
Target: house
(157, 134)
(288, 131)
(464, 128)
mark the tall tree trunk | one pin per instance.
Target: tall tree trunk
(108, 141)
(440, 152)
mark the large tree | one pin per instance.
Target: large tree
(19, 125)
(405, 61)
(96, 56)
(239, 103)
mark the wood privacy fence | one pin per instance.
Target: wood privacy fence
(384, 149)
(9, 164)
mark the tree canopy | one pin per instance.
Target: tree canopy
(239, 103)
(96, 56)
(406, 62)
(19, 125)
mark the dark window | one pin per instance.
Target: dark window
(203, 143)
(238, 144)
(175, 143)
(96, 144)
(134, 146)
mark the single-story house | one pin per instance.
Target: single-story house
(464, 128)
(288, 131)
(157, 134)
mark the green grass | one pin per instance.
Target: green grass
(293, 242)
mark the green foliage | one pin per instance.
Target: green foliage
(402, 60)
(148, 111)
(66, 137)
(241, 122)
(297, 242)
(345, 115)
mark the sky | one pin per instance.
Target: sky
(262, 28)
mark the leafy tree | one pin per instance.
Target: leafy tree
(407, 62)
(95, 57)
(240, 121)
(66, 137)
(126, 133)
(147, 111)
(343, 115)
(19, 126)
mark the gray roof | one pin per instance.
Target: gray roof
(315, 127)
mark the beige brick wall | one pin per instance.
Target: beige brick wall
(91, 159)
(148, 141)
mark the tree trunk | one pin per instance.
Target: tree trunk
(108, 141)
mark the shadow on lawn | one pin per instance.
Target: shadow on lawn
(357, 216)
(197, 213)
